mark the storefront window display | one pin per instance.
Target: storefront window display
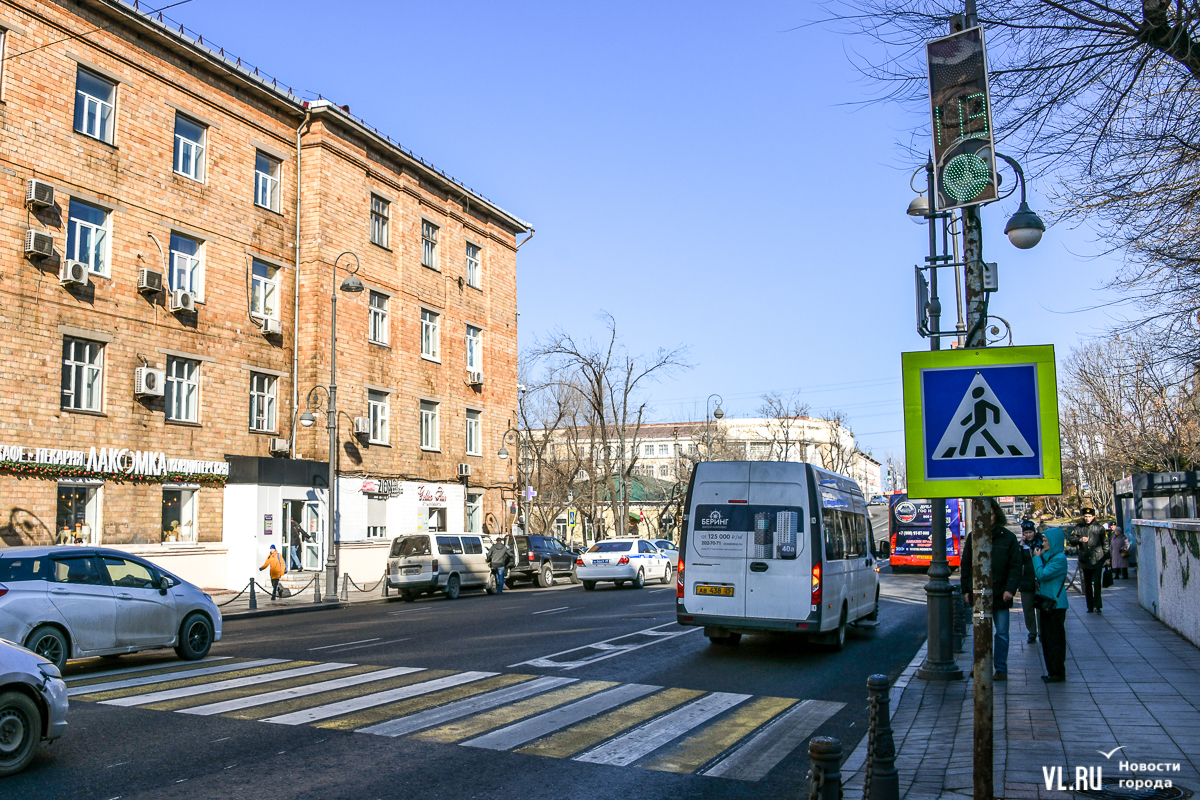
(179, 515)
(76, 518)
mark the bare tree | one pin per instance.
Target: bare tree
(550, 416)
(897, 469)
(784, 426)
(840, 452)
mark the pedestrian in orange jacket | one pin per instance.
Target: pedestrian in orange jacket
(275, 562)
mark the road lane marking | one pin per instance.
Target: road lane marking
(551, 610)
(758, 756)
(565, 744)
(404, 708)
(607, 647)
(281, 707)
(376, 644)
(225, 706)
(379, 698)
(465, 707)
(301, 670)
(78, 680)
(545, 724)
(146, 680)
(506, 715)
(700, 748)
(640, 742)
(343, 644)
(407, 611)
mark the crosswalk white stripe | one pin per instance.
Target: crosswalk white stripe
(536, 727)
(759, 755)
(377, 699)
(146, 680)
(297, 691)
(129, 670)
(639, 742)
(464, 708)
(220, 686)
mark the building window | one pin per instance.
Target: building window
(266, 181)
(429, 240)
(473, 269)
(94, 105)
(376, 517)
(262, 402)
(377, 408)
(377, 327)
(474, 512)
(179, 515)
(83, 374)
(87, 236)
(264, 291)
(429, 334)
(77, 514)
(474, 433)
(379, 221)
(429, 425)
(664, 471)
(759, 449)
(183, 390)
(474, 349)
(648, 449)
(664, 449)
(187, 268)
(3, 44)
(189, 148)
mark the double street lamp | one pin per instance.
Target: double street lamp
(514, 436)
(351, 285)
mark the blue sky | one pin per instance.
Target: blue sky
(706, 172)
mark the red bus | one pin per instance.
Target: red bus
(909, 524)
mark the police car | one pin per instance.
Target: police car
(624, 560)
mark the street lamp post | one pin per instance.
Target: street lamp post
(351, 285)
(514, 435)
(719, 415)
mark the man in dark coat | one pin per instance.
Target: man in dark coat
(1006, 579)
(1089, 539)
(499, 558)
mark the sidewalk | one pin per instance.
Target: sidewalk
(235, 606)
(1131, 681)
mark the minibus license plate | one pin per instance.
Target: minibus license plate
(719, 591)
(412, 570)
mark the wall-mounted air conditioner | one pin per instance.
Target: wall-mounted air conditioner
(38, 244)
(182, 300)
(73, 273)
(271, 327)
(474, 378)
(280, 447)
(362, 426)
(39, 194)
(149, 382)
(464, 470)
(150, 281)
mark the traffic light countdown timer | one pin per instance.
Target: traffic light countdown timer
(964, 163)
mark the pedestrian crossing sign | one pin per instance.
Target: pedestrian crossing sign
(981, 422)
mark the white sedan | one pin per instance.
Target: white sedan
(625, 560)
(668, 549)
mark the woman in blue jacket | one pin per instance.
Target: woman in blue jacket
(1050, 568)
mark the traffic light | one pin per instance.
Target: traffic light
(963, 150)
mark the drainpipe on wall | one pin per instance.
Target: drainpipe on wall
(296, 300)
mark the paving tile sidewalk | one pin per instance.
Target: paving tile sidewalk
(1131, 681)
(235, 604)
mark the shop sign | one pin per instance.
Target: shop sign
(106, 460)
(387, 486)
(432, 496)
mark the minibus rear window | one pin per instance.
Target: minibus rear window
(410, 546)
(611, 547)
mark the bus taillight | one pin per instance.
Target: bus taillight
(679, 582)
(816, 584)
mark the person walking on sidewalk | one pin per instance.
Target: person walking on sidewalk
(1050, 568)
(1006, 579)
(275, 562)
(1028, 585)
(295, 542)
(499, 558)
(1089, 539)
(1119, 553)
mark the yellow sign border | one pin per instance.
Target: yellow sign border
(914, 421)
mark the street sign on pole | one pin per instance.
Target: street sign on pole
(963, 153)
(982, 422)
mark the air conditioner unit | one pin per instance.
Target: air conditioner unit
(38, 244)
(149, 280)
(280, 446)
(475, 378)
(271, 327)
(148, 382)
(73, 273)
(464, 470)
(39, 194)
(182, 300)
(362, 425)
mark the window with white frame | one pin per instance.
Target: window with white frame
(429, 334)
(429, 241)
(379, 220)
(83, 374)
(94, 105)
(183, 390)
(266, 181)
(474, 433)
(377, 409)
(264, 290)
(664, 471)
(187, 267)
(376, 517)
(648, 449)
(474, 349)
(377, 325)
(473, 267)
(262, 402)
(474, 512)
(429, 425)
(3, 45)
(759, 449)
(664, 449)
(87, 236)
(189, 148)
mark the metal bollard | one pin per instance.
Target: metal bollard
(384, 584)
(825, 774)
(882, 780)
(317, 587)
(253, 599)
(345, 587)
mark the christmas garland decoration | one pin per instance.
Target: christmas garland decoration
(40, 470)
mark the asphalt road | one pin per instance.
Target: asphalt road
(622, 641)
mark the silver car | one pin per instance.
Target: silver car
(73, 602)
(33, 705)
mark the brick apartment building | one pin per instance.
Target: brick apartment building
(164, 421)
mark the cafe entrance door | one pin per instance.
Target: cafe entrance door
(306, 516)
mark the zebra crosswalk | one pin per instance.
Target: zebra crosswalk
(685, 731)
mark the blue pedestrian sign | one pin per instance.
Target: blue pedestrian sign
(982, 422)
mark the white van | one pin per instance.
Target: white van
(424, 563)
(775, 546)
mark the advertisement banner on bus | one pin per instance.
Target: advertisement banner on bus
(910, 523)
